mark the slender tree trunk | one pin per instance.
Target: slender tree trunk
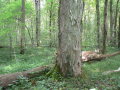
(46, 18)
(111, 22)
(10, 45)
(10, 39)
(29, 34)
(32, 36)
(98, 23)
(50, 23)
(119, 33)
(22, 49)
(69, 50)
(105, 27)
(115, 24)
(116, 14)
(37, 7)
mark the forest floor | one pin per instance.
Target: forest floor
(92, 76)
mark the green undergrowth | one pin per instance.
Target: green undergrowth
(32, 58)
(91, 77)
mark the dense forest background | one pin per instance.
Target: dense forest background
(29, 37)
(44, 16)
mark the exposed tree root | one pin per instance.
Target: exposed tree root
(54, 73)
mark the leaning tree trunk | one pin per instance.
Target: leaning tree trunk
(37, 7)
(22, 50)
(105, 27)
(69, 50)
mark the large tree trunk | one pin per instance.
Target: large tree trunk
(98, 23)
(37, 7)
(69, 51)
(105, 27)
(22, 49)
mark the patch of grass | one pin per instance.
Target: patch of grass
(91, 78)
(32, 58)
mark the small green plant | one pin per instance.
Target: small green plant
(21, 83)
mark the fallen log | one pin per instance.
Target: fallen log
(111, 71)
(4, 46)
(7, 79)
(97, 57)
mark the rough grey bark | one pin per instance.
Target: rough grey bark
(37, 7)
(98, 23)
(105, 27)
(69, 50)
(22, 49)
